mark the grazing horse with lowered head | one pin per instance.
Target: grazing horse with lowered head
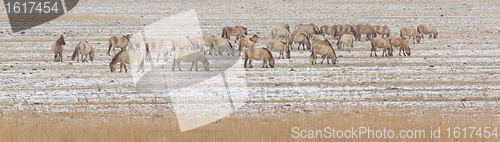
(118, 42)
(279, 46)
(159, 47)
(300, 38)
(85, 50)
(382, 30)
(193, 56)
(401, 43)
(218, 45)
(381, 43)
(258, 54)
(411, 33)
(237, 31)
(325, 52)
(427, 29)
(58, 49)
(128, 57)
(329, 30)
(364, 29)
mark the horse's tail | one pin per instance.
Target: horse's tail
(224, 32)
(141, 66)
(240, 47)
(110, 45)
(418, 30)
(191, 42)
(246, 59)
(312, 52)
(148, 53)
(75, 53)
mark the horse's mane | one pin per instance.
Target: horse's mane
(307, 38)
(269, 52)
(114, 60)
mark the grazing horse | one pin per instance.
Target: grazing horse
(411, 32)
(330, 30)
(85, 50)
(134, 40)
(401, 43)
(118, 42)
(182, 43)
(427, 29)
(325, 51)
(381, 43)
(300, 38)
(193, 56)
(237, 31)
(364, 29)
(343, 29)
(310, 29)
(382, 30)
(282, 33)
(279, 46)
(127, 57)
(58, 49)
(159, 47)
(218, 45)
(258, 54)
(245, 42)
(346, 39)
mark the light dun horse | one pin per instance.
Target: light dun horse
(401, 43)
(427, 29)
(208, 43)
(279, 46)
(282, 33)
(85, 50)
(218, 45)
(259, 54)
(193, 56)
(237, 31)
(364, 29)
(381, 43)
(134, 41)
(411, 33)
(325, 52)
(128, 57)
(118, 42)
(346, 39)
(182, 43)
(159, 47)
(248, 43)
(382, 30)
(343, 29)
(329, 30)
(300, 38)
(58, 49)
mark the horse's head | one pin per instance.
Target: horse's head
(91, 56)
(112, 67)
(271, 62)
(61, 40)
(254, 38)
(390, 50)
(206, 66)
(418, 38)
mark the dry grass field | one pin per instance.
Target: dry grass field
(451, 81)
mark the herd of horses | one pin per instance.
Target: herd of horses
(194, 48)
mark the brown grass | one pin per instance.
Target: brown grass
(272, 124)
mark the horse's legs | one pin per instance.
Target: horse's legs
(121, 65)
(179, 64)
(250, 61)
(192, 64)
(60, 56)
(173, 66)
(400, 48)
(125, 66)
(323, 59)
(55, 57)
(264, 65)
(196, 65)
